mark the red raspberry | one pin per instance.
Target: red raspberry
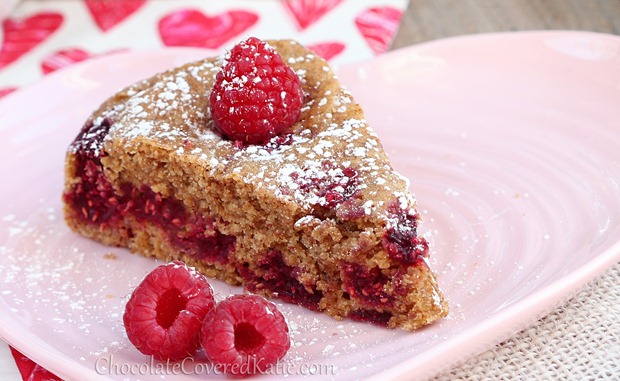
(164, 315)
(256, 95)
(245, 334)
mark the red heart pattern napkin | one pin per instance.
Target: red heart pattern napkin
(192, 27)
(23, 35)
(108, 13)
(39, 37)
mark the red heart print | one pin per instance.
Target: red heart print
(21, 36)
(190, 27)
(63, 58)
(327, 50)
(307, 12)
(4, 91)
(30, 370)
(66, 57)
(108, 13)
(378, 25)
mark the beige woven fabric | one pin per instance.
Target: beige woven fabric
(578, 341)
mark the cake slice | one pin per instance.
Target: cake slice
(314, 215)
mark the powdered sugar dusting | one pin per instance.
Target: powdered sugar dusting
(331, 131)
(71, 292)
(150, 112)
(56, 281)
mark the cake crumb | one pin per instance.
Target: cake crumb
(110, 256)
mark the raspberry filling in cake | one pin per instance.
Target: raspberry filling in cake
(99, 204)
(312, 213)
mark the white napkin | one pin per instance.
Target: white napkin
(6, 6)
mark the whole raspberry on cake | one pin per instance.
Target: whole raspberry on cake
(255, 95)
(310, 211)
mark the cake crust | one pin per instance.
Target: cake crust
(316, 216)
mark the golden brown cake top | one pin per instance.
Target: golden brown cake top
(330, 159)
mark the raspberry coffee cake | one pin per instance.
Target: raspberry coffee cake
(259, 169)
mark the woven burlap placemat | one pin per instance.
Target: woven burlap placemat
(579, 340)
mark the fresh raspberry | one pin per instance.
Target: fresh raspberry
(256, 95)
(244, 335)
(164, 315)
